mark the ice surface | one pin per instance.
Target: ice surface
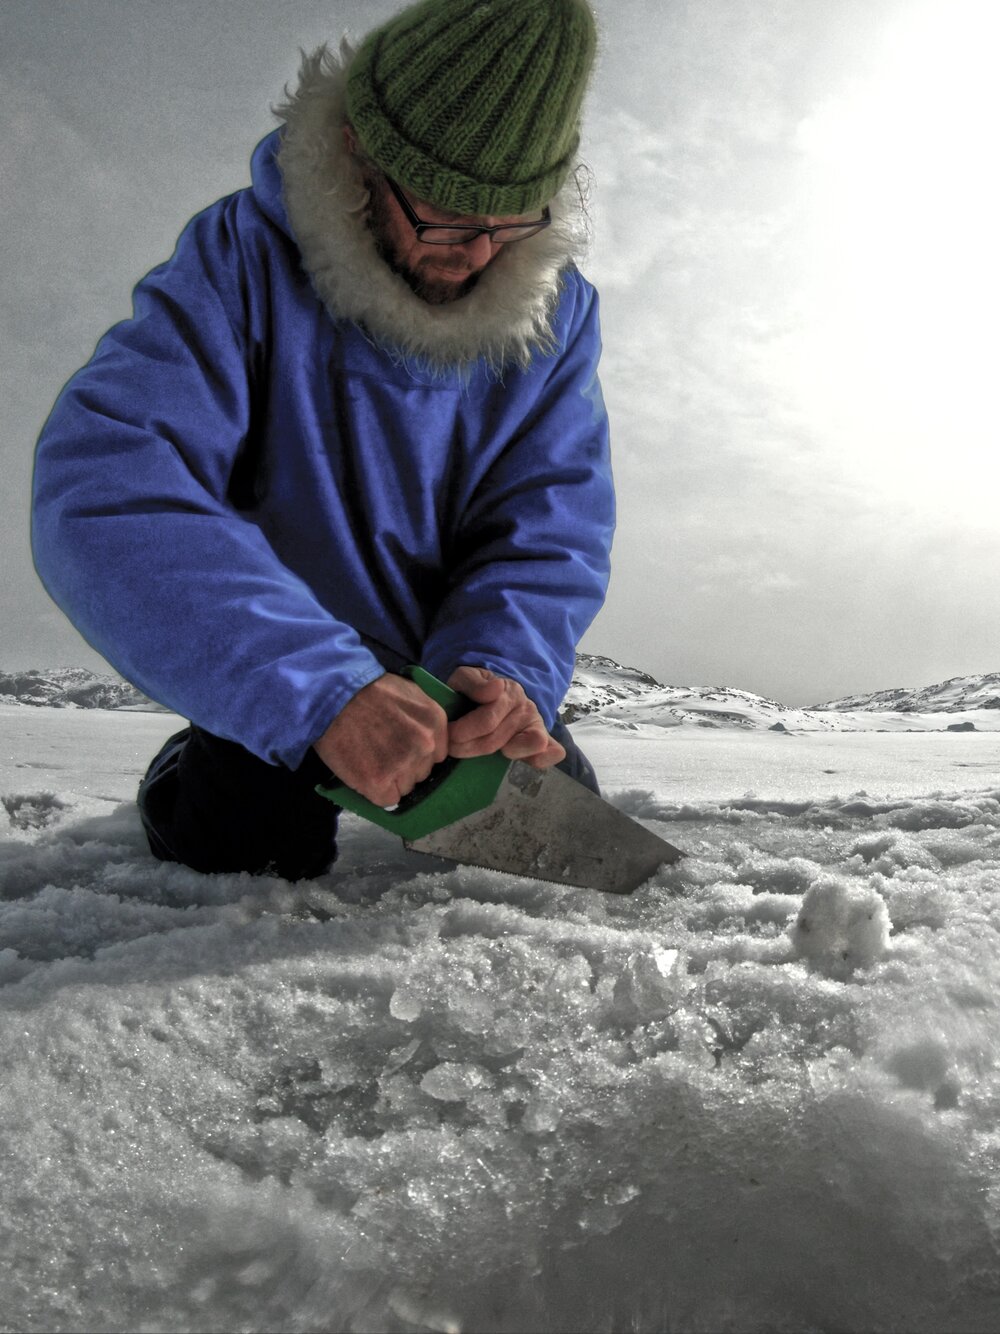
(762, 1093)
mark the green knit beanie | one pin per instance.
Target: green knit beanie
(474, 105)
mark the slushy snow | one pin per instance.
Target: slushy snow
(760, 1094)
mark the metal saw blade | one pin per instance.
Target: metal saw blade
(545, 825)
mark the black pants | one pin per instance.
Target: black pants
(212, 805)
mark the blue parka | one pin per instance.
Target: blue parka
(252, 508)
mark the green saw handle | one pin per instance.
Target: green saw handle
(453, 790)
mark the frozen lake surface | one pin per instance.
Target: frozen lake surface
(691, 764)
(103, 754)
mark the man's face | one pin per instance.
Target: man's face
(437, 273)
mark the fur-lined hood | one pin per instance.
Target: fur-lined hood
(504, 319)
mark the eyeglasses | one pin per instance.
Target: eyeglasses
(438, 233)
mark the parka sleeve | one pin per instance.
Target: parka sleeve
(533, 561)
(134, 535)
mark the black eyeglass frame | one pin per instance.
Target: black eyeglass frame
(420, 226)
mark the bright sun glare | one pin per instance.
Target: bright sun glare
(905, 261)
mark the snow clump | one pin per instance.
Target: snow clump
(841, 926)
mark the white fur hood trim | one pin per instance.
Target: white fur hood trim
(504, 319)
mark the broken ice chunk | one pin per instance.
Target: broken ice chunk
(404, 1005)
(541, 1116)
(647, 987)
(453, 1081)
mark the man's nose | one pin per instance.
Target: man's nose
(480, 250)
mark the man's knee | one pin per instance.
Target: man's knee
(212, 805)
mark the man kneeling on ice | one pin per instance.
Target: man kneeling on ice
(354, 423)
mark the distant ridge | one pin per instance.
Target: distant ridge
(601, 690)
(606, 694)
(956, 695)
(72, 688)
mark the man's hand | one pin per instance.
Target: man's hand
(385, 740)
(506, 720)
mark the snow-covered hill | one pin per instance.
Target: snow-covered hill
(603, 689)
(956, 695)
(603, 693)
(71, 687)
(598, 683)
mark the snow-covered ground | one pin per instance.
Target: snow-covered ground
(762, 1093)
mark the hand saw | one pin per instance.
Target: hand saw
(503, 814)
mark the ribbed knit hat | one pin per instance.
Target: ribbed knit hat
(474, 105)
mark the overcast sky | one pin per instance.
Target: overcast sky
(795, 214)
